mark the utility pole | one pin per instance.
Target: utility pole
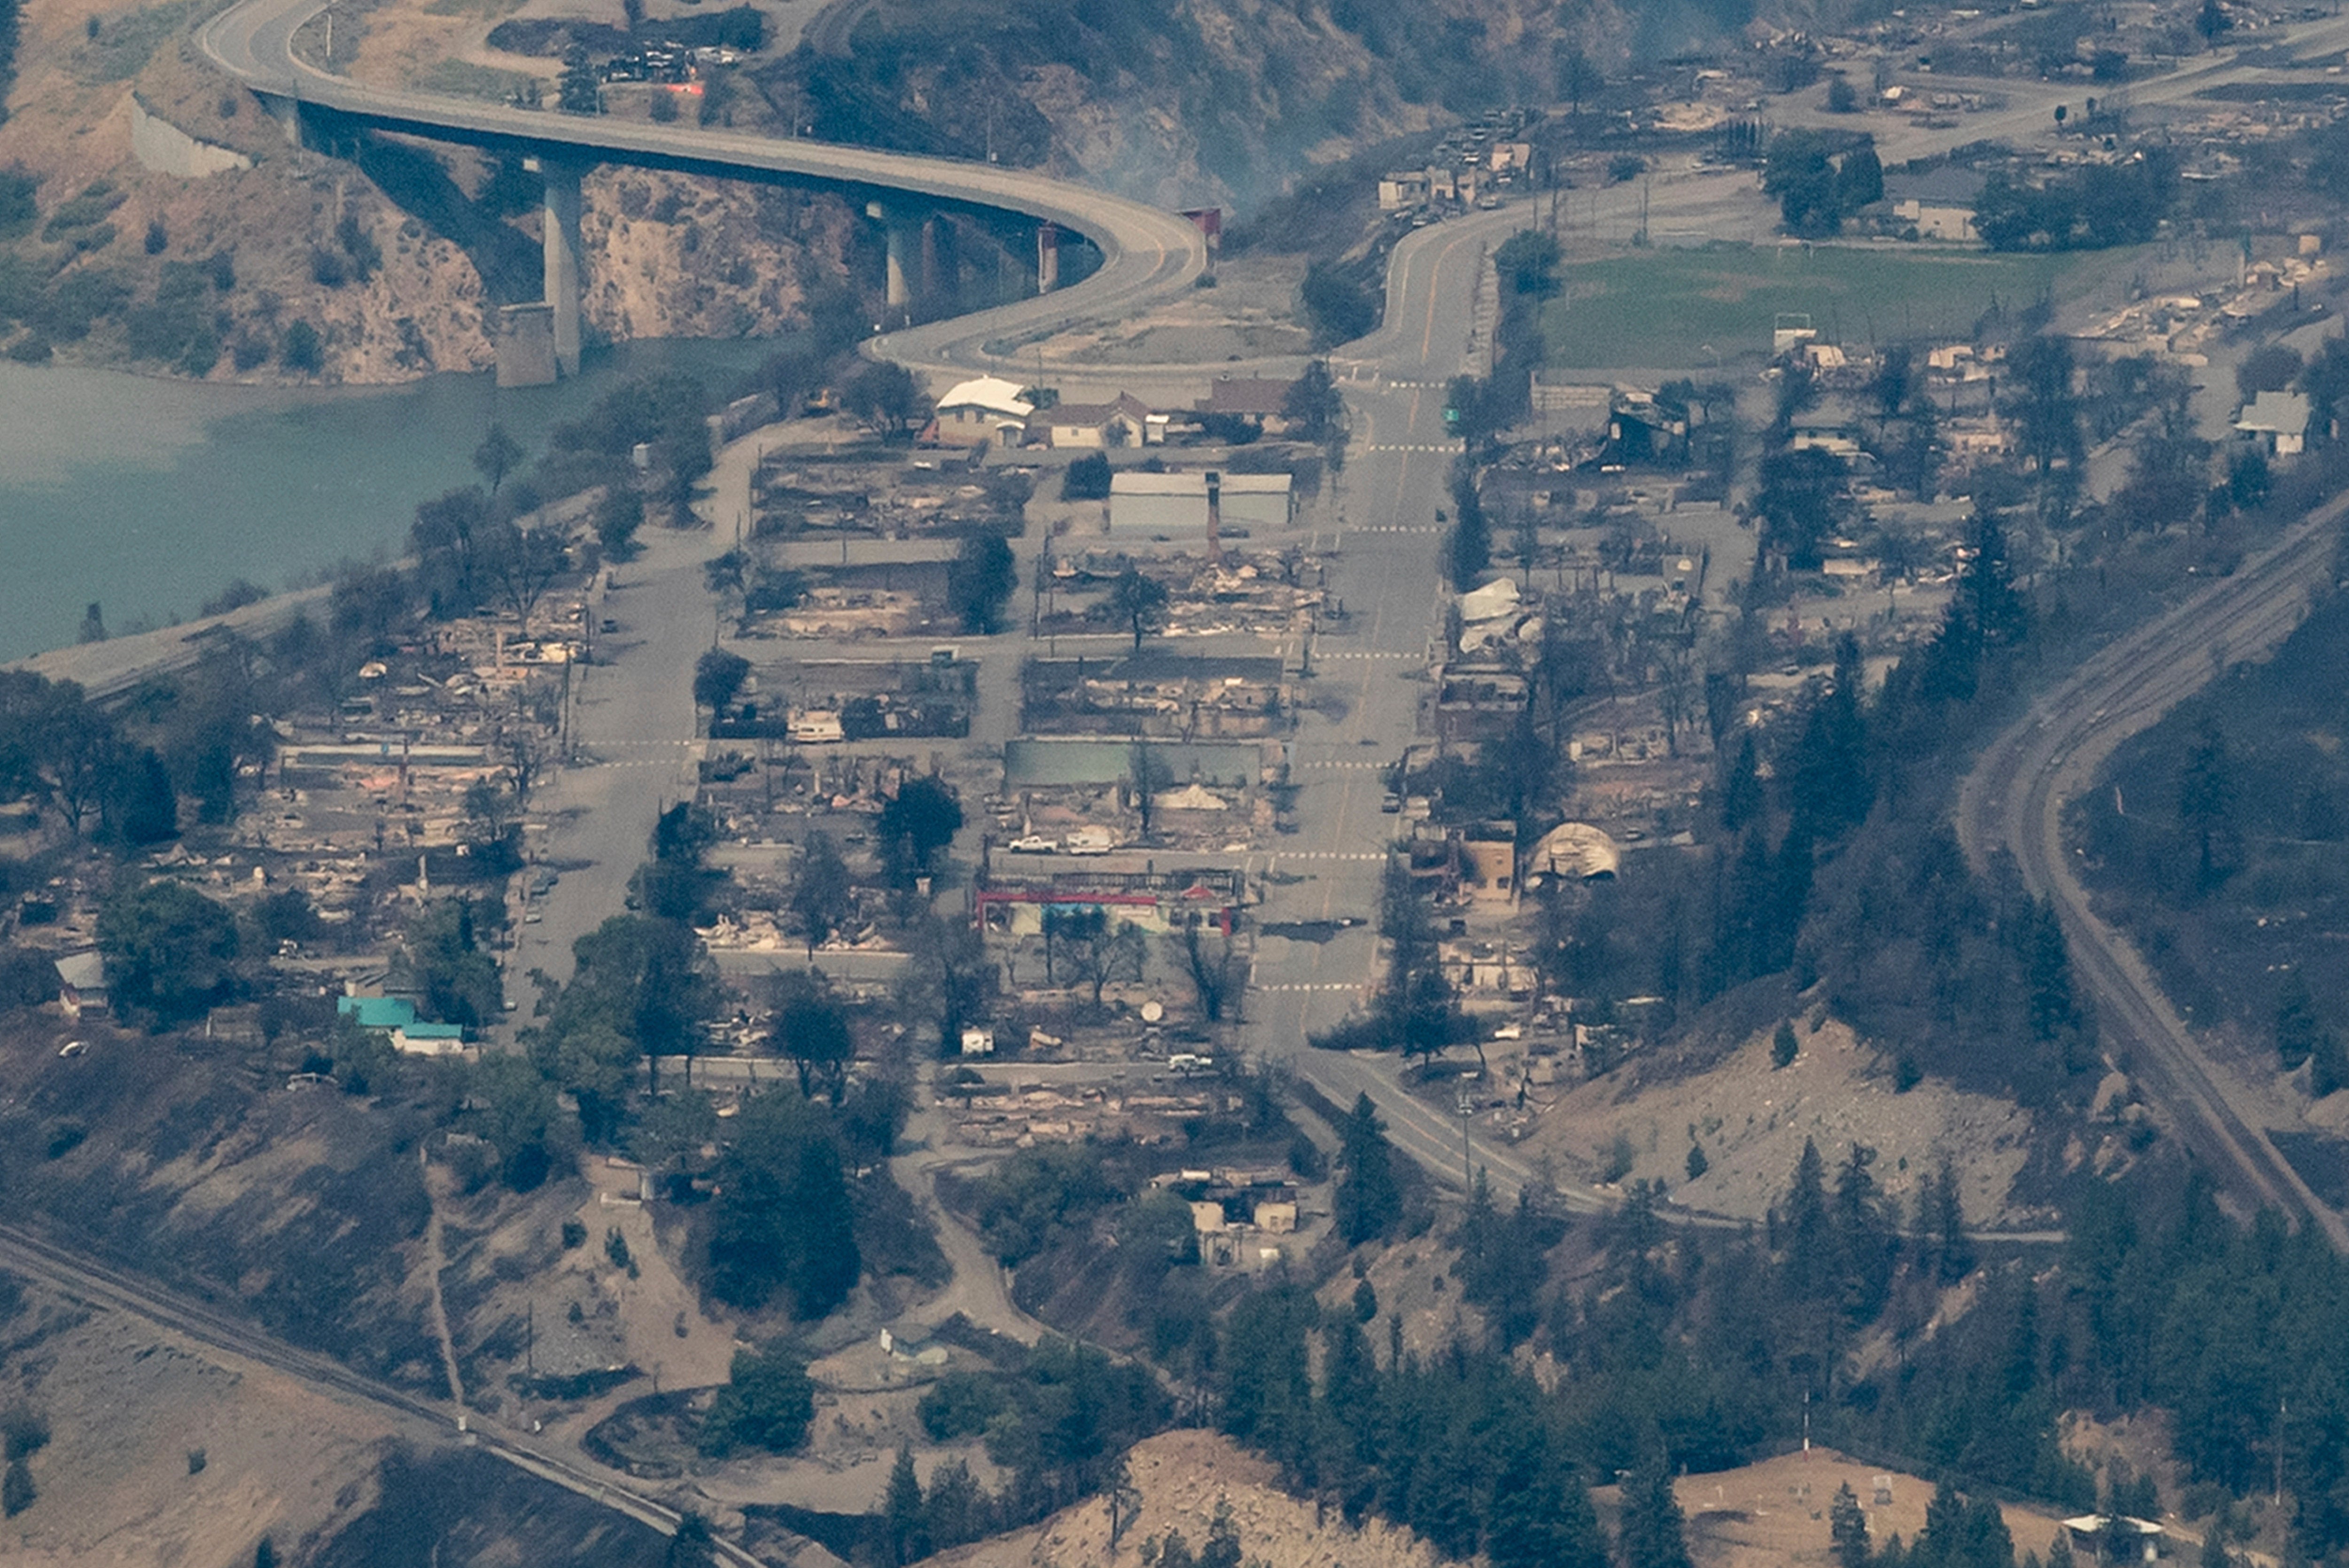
(1467, 1176)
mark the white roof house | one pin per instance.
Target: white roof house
(982, 410)
(2281, 416)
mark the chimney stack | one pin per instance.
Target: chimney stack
(1214, 518)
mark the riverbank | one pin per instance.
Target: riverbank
(149, 497)
(119, 663)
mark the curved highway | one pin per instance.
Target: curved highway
(1146, 254)
(2014, 800)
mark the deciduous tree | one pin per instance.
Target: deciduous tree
(924, 815)
(979, 582)
(824, 896)
(782, 1222)
(498, 455)
(170, 953)
(1137, 603)
(811, 1029)
(717, 677)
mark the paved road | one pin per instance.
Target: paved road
(2014, 800)
(1370, 680)
(2030, 105)
(115, 665)
(635, 727)
(1147, 254)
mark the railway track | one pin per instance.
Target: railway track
(2014, 800)
(104, 1285)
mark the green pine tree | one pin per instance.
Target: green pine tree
(1368, 1199)
(902, 1521)
(1540, 1515)
(1654, 1533)
(1847, 1527)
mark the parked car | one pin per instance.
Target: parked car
(1034, 844)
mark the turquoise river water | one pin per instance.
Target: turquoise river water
(149, 496)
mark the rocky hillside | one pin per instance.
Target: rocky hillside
(289, 265)
(388, 261)
(1207, 100)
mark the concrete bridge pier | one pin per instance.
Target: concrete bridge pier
(1048, 257)
(287, 113)
(561, 219)
(897, 291)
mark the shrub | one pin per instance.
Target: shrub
(1620, 1158)
(24, 1433)
(1087, 479)
(303, 352)
(767, 1403)
(16, 1493)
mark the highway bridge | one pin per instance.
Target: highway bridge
(1146, 254)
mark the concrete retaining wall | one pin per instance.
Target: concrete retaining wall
(167, 150)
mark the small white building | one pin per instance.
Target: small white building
(1953, 224)
(81, 984)
(989, 411)
(2278, 421)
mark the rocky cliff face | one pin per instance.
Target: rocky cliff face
(677, 257)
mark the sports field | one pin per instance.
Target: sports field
(1676, 309)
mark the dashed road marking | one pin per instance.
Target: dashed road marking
(1311, 985)
(1413, 447)
(1322, 855)
(1351, 765)
(1362, 653)
(1394, 527)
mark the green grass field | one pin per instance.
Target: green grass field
(462, 79)
(1670, 309)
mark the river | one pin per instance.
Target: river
(149, 496)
